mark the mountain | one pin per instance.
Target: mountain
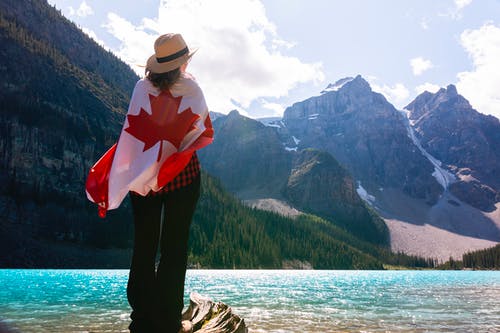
(317, 183)
(466, 141)
(251, 161)
(349, 142)
(367, 135)
(247, 156)
(435, 189)
(62, 102)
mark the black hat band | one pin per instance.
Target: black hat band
(173, 56)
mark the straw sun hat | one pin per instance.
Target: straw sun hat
(171, 52)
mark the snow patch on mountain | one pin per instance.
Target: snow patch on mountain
(337, 85)
(443, 177)
(363, 194)
(272, 122)
(296, 141)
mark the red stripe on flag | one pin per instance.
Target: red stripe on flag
(98, 180)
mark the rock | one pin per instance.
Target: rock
(4, 328)
(367, 136)
(476, 194)
(464, 140)
(210, 317)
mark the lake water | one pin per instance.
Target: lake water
(270, 301)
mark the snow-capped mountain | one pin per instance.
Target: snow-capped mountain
(442, 175)
(464, 140)
(368, 136)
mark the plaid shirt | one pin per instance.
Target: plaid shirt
(186, 177)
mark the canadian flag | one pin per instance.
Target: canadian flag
(159, 136)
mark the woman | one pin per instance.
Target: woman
(162, 218)
(155, 160)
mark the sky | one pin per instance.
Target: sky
(261, 56)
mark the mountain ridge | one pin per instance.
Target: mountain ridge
(410, 187)
(448, 205)
(465, 140)
(368, 137)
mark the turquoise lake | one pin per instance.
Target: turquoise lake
(269, 300)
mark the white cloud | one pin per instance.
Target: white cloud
(480, 85)
(84, 10)
(420, 65)
(460, 4)
(424, 24)
(397, 94)
(240, 58)
(430, 87)
(277, 109)
(136, 44)
(60, 4)
(456, 12)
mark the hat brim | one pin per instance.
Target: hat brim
(154, 66)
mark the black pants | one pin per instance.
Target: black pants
(156, 295)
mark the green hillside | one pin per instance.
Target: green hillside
(226, 234)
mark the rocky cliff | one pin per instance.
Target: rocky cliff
(431, 171)
(466, 141)
(367, 135)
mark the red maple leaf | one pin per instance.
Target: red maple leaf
(164, 122)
